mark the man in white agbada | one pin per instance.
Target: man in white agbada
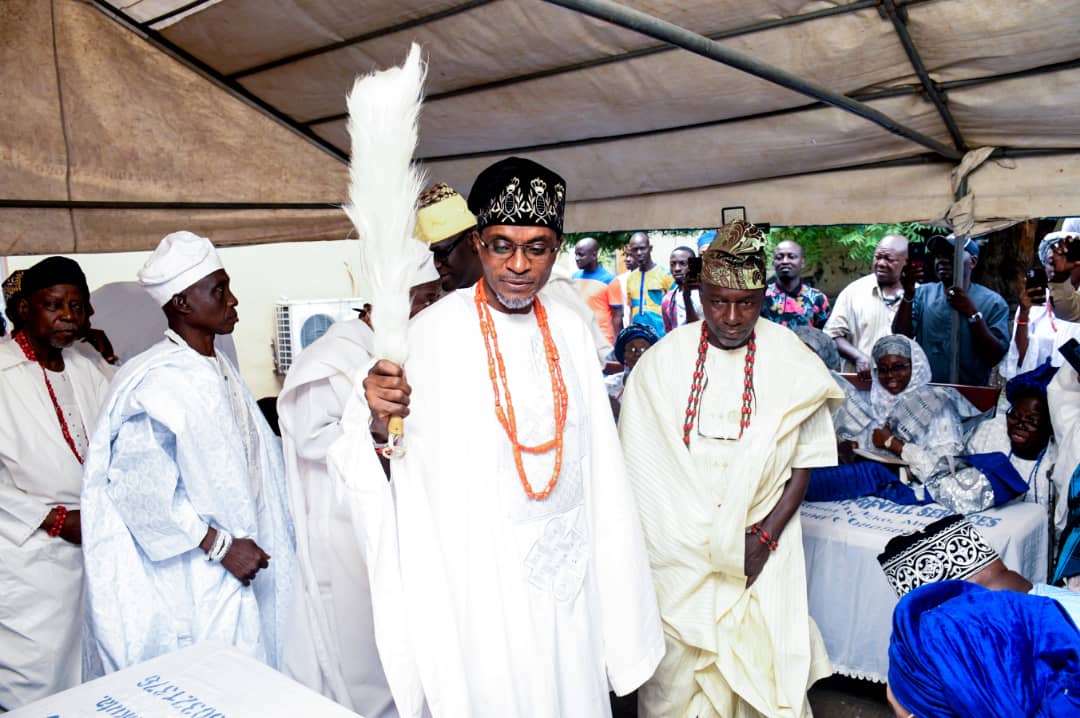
(721, 422)
(186, 534)
(331, 648)
(50, 395)
(508, 571)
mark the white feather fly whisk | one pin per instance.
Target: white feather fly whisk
(384, 183)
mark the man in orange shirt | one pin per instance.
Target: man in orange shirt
(598, 288)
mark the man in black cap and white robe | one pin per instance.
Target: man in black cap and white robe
(50, 395)
(508, 570)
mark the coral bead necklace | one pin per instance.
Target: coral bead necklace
(31, 355)
(500, 387)
(697, 385)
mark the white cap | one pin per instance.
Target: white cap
(180, 260)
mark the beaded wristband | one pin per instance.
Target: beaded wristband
(58, 522)
(222, 543)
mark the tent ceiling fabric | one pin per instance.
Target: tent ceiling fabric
(647, 134)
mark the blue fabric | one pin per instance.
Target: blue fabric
(1068, 563)
(600, 275)
(650, 320)
(1004, 479)
(705, 240)
(931, 317)
(1032, 382)
(863, 478)
(958, 649)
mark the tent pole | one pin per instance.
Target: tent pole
(932, 90)
(957, 281)
(659, 29)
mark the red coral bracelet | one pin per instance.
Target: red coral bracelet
(763, 537)
(58, 523)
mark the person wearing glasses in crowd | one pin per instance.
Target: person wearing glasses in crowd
(901, 419)
(631, 343)
(719, 476)
(508, 569)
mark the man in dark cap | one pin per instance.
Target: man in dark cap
(926, 314)
(516, 581)
(719, 475)
(49, 399)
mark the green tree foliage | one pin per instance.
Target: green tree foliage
(608, 241)
(859, 239)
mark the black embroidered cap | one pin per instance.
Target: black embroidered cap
(948, 549)
(518, 191)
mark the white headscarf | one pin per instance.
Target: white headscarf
(881, 399)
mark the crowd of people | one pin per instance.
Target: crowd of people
(599, 489)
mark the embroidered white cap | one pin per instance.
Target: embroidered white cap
(180, 260)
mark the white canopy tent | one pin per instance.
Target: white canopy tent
(120, 114)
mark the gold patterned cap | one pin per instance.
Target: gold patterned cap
(442, 214)
(12, 285)
(736, 258)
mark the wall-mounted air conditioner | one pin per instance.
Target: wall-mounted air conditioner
(299, 323)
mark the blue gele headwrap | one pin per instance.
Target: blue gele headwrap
(958, 649)
(1030, 383)
(632, 332)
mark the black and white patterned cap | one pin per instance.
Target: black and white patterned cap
(518, 191)
(948, 549)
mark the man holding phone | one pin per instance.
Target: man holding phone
(1038, 330)
(1065, 258)
(925, 315)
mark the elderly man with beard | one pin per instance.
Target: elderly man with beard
(926, 315)
(187, 535)
(719, 455)
(508, 570)
(51, 397)
(864, 310)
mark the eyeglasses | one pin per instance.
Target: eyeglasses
(634, 350)
(504, 250)
(444, 253)
(894, 369)
(1029, 423)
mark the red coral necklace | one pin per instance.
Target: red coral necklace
(697, 384)
(28, 352)
(497, 372)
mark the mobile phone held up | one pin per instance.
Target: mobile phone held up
(694, 269)
(1035, 278)
(917, 258)
(1071, 351)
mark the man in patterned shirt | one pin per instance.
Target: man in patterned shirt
(788, 301)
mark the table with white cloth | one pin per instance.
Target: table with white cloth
(850, 598)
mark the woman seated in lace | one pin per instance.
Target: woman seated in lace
(902, 419)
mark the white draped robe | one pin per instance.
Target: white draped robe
(330, 647)
(41, 577)
(170, 457)
(486, 602)
(732, 651)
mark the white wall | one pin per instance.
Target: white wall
(261, 275)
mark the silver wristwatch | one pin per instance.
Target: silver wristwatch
(974, 318)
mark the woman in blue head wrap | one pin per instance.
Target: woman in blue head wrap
(959, 650)
(629, 346)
